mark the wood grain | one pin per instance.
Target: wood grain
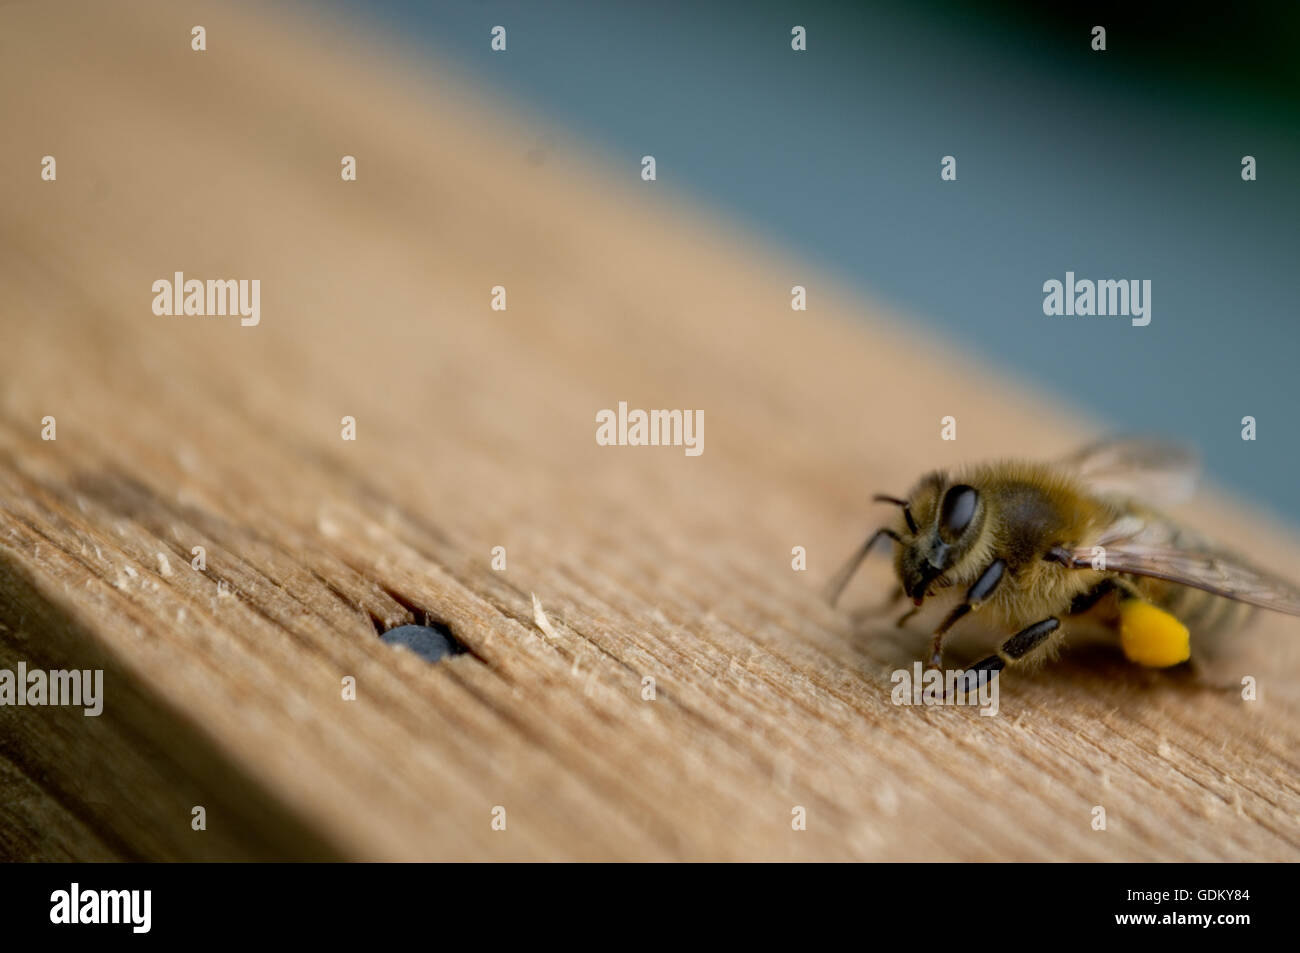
(476, 429)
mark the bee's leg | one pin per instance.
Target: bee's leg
(883, 606)
(1127, 590)
(1018, 646)
(1199, 676)
(1086, 600)
(841, 578)
(979, 591)
(892, 600)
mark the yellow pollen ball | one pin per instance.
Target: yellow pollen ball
(1151, 636)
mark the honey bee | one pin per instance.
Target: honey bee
(1030, 544)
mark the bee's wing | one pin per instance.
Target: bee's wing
(1151, 470)
(1154, 548)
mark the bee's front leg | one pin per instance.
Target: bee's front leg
(883, 606)
(893, 599)
(976, 595)
(841, 578)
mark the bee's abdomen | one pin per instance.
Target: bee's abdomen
(1204, 613)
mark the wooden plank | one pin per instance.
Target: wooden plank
(475, 430)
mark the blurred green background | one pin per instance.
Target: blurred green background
(1119, 164)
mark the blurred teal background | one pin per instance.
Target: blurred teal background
(1119, 164)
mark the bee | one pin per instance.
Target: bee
(1031, 544)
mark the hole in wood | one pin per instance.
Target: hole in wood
(431, 642)
(427, 637)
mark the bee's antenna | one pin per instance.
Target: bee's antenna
(907, 509)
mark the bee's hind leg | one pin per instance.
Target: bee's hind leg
(1196, 675)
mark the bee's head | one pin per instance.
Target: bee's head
(942, 527)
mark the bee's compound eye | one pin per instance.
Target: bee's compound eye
(958, 510)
